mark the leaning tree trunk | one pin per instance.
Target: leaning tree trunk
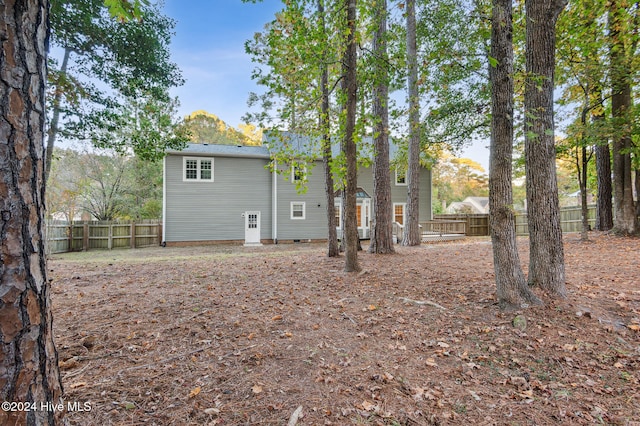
(350, 85)
(546, 265)
(511, 284)
(28, 359)
(52, 133)
(382, 233)
(412, 226)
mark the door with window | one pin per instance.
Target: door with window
(252, 228)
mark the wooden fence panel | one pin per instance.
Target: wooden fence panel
(570, 219)
(78, 236)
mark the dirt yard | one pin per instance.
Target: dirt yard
(279, 335)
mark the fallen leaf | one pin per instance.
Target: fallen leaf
(256, 389)
(77, 385)
(276, 318)
(367, 406)
(194, 392)
(431, 362)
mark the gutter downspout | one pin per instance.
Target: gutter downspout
(164, 200)
(274, 199)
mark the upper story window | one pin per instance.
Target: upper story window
(197, 169)
(298, 172)
(401, 177)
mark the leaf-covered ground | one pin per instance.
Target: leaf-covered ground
(239, 336)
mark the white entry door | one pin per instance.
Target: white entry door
(252, 228)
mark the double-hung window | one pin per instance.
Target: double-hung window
(297, 210)
(197, 169)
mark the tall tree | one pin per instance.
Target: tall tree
(411, 236)
(333, 249)
(382, 233)
(105, 64)
(350, 95)
(28, 358)
(604, 206)
(621, 51)
(546, 265)
(511, 284)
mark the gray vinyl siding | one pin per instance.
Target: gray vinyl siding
(205, 211)
(314, 226)
(399, 193)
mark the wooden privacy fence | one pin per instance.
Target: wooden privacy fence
(65, 236)
(478, 224)
(570, 219)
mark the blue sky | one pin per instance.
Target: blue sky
(209, 49)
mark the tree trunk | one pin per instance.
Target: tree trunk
(382, 233)
(52, 133)
(332, 238)
(28, 358)
(412, 226)
(546, 266)
(511, 285)
(582, 180)
(625, 221)
(350, 86)
(604, 206)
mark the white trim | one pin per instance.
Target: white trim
(274, 211)
(164, 199)
(198, 169)
(401, 183)
(304, 213)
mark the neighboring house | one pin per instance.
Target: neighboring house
(223, 193)
(470, 205)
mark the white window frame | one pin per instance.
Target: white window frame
(301, 176)
(301, 204)
(198, 169)
(404, 212)
(405, 179)
(338, 205)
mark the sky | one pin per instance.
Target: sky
(208, 46)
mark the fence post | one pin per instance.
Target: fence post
(110, 240)
(133, 234)
(159, 234)
(70, 235)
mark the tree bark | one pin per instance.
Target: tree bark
(382, 233)
(350, 86)
(604, 206)
(625, 221)
(28, 358)
(412, 227)
(333, 249)
(511, 284)
(546, 266)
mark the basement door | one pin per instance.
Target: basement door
(252, 228)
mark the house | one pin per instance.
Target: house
(470, 205)
(228, 194)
